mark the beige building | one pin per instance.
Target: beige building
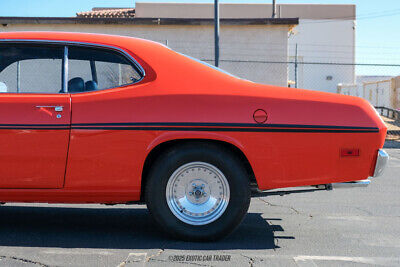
(325, 34)
(253, 45)
(242, 39)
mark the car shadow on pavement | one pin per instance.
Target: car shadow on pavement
(118, 228)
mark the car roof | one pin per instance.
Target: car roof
(123, 42)
(149, 54)
(70, 36)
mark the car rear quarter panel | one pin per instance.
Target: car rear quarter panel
(279, 159)
(188, 92)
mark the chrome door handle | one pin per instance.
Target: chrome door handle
(56, 108)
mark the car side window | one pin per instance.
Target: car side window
(30, 68)
(91, 69)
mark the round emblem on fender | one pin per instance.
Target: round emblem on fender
(260, 116)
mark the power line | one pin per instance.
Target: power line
(237, 44)
(386, 13)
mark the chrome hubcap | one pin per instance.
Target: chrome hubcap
(197, 193)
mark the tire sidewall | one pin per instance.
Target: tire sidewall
(227, 163)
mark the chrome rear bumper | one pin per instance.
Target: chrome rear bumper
(381, 162)
(380, 165)
(361, 183)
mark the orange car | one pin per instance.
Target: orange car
(89, 118)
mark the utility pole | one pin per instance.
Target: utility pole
(216, 32)
(273, 9)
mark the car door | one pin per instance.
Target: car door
(35, 116)
(100, 81)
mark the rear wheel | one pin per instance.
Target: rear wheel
(198, 192)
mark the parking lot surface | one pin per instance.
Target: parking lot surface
(346, 227)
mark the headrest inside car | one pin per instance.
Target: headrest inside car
(76, 85)
(91, 86)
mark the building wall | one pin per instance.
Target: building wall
(201, 10)
(325, 34)
(247, 10)
(238, 43)
(317, 11)
(324, 41)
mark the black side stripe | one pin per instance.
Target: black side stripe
(211, 124)
(216, 129)
(212, 127)
(35, 125)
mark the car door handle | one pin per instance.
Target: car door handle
(56, 108)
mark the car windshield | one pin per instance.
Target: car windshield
(210, 66)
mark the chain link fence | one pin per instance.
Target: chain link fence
(316, 66)
(319, 76)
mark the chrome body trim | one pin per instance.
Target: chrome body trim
(360, 183)
(308, 189)
(56, 108)
(66, 43)
(18, 76)
(381, 162)
(65, 70)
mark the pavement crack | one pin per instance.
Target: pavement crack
(151, 257)
(282, 206)
(133, 260)
(24, 260)
(251, 260)
(365, 211)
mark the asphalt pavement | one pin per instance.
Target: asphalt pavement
(344, 227)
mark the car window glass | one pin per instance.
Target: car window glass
(27, 68)
(92, 69)
(79, 68)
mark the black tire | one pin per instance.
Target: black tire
(231, 167)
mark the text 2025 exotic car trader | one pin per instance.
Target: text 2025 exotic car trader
(89, 118)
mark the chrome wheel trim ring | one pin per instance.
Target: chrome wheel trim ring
(197, 193)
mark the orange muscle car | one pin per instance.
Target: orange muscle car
(90, 118)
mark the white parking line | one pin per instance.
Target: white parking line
(304, 260)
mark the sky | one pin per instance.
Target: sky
(377, 35)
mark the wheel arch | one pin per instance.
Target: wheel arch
(164, 146)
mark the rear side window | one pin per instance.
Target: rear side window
(29, 68)
(91, 69)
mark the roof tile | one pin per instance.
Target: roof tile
(108, 13)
